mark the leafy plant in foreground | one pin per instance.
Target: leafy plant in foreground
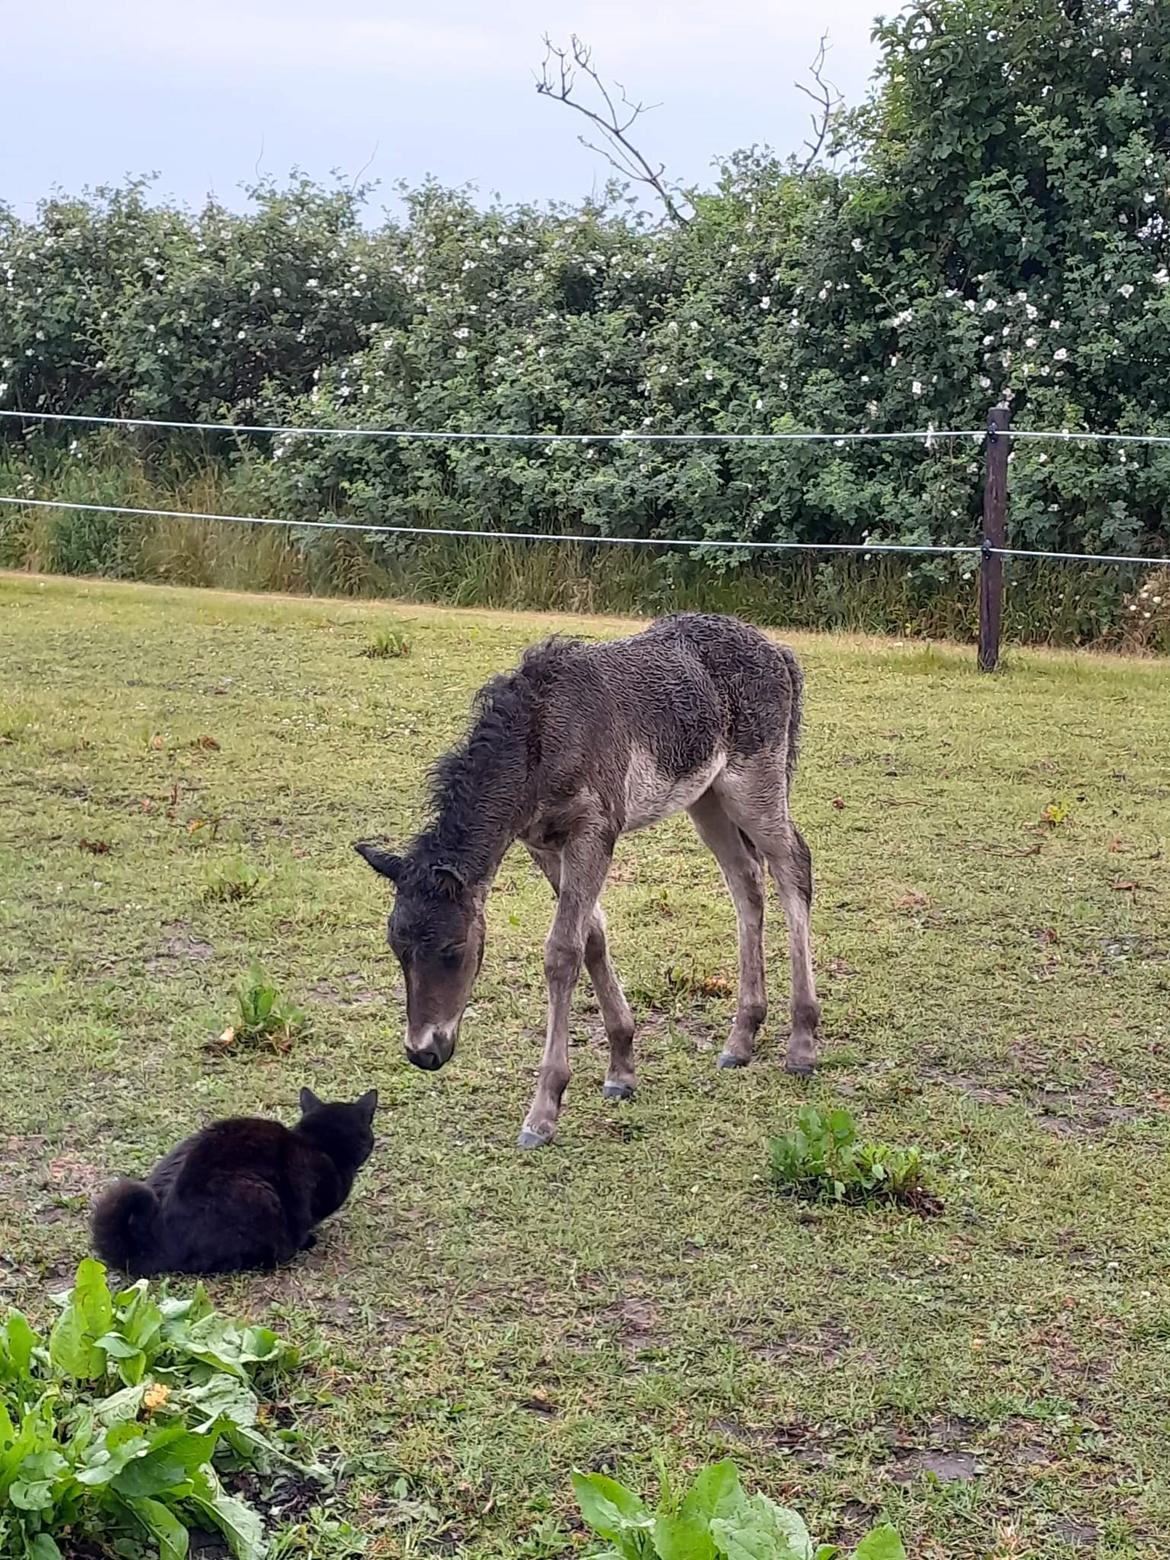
(823, 1160)
(716, 1517)
(116, 1429)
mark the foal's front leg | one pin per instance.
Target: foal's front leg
(611, 999)
(584, 864)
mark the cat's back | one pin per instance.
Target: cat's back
(239, 1147)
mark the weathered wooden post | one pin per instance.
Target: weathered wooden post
(995, 480)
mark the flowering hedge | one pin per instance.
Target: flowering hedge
(997, 229)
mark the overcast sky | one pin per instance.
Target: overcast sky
(208, 93)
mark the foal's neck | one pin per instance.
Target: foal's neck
(481, 789)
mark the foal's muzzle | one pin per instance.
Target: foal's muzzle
(434, 1054)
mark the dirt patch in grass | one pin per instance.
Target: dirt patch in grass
(180, 946)
(1081, 1535)
(1082, 1111)
(349, 991)
(638, 1325)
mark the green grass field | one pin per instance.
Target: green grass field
(993, 948)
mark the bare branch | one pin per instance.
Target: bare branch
(614, 120)
(826, 99)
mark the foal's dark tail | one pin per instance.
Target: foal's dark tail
(126, 1228)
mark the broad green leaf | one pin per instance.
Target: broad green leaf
(761, 1530)
(882, 1543)
(87, 1316)
(19, 1342)
(116, 1346)
(715, 1491)
(223, 1396)
(140, 1321)
(239, 1524)
(172, 1457)
(163, 1526)
(686, 1535)
(43, 1548)
(611, 1510)
(683, 1538)
(107, 1460)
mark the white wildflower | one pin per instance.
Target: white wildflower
(765, 302)
(1061, 354)
(916, 387)
(1126, 289)
(857, 246)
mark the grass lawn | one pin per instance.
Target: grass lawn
(992, 931)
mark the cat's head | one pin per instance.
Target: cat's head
(346, 1129)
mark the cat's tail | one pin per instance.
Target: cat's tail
(126, 1228)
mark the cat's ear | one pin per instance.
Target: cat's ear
(309, 1101)
(368, 1104)
(384, 862)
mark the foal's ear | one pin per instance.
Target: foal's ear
(384, 862)
(449, 878)
(368, 1104)
(309, 1101)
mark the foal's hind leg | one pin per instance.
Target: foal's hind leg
(756, 797)
(611, 999)
(744, 875)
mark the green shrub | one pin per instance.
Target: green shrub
(715, 1517)
(823, 1160)
(115, 1430)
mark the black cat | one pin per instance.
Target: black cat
(243, 1193)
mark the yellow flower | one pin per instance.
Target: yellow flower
(155, 1396)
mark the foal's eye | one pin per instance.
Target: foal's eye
(452, 956)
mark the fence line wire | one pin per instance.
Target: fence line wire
(692, 543)
(441, 436)
(628, 436)
(358, 528)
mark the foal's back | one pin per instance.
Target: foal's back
(648, 722)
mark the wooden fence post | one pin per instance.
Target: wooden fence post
(995, 480)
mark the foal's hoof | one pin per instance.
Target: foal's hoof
(530, 1139)
(617, 1091)
(729, 1059)
(799, 1069)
